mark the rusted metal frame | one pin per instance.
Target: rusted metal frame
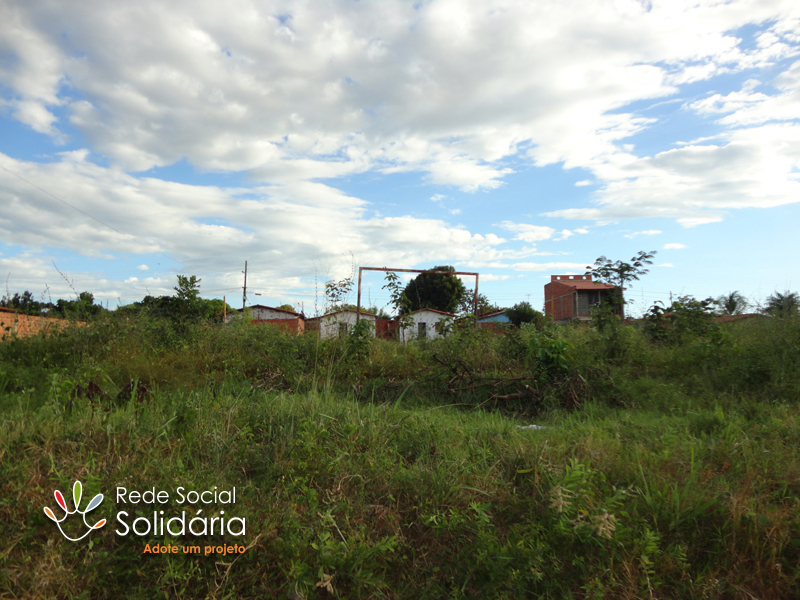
(386, 269)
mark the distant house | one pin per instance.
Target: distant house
(497, 316)
(285, 319)
(424, 323)
(338, 324)
(573, 296)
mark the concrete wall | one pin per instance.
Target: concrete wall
(430, 318)
(341, 323)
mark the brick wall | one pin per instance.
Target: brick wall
(13, 324)
(295, 325)
(558, 301)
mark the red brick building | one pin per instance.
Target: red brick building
(572, 296)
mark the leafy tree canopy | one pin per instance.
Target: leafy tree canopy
(81, 308)
(783, 305)
(523, 312)
(288, 307)
(620, 273)
(732, 303)
(434, 290)
(185, 305)
(467, 304)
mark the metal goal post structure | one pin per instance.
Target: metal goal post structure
(386, 269)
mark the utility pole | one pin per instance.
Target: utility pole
(244, 293)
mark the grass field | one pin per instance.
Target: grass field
(368, 469)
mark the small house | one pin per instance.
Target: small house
(339, 323)
(573, 296)
(425, 323)
(285, 319)
(494, 317)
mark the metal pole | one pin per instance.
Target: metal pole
(358, 299)
(244, 293)
(476, 296)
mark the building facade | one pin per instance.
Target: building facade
(573, 296)
(425, 323)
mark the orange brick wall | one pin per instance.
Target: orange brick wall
(13, 324)
(295, 325)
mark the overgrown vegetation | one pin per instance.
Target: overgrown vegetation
(668, 466)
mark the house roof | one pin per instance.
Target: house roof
(441, 312)
(492, 314)
(729, 318)
(579, 284)
(363, 314)
(283, 310)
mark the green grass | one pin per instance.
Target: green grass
(378, 472)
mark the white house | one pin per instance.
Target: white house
(424, 323)
(259, 312)
(339, 323)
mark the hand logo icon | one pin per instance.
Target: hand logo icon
(77, 491)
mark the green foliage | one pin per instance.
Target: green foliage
(466, 305)
(186, 306)
(371, 469)
(732, 303)
(523, 312)
(619, 274)
(685, 317)
(80, 309)
(25, 303)
(783, 305)
(434, 290)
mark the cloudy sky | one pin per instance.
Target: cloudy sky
(516, 139)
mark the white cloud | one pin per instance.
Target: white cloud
(674, 246)
(528, 233)
(327, 90)
(491, 277)
(301, 222)
(698, 184)
(647, 232)
(665, 265)
(554, 267)
(583, 182)
(143, 268)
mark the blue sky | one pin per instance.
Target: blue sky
(516, 139)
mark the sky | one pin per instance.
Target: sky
(519, 140)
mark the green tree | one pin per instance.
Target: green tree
(523, 312)
(467, 304)
(439, 291)
(25, 304)
(188, 289)
(783, 305)
(288, 307)
(684, 318)
(732, 303)
(81, 308)
(619, 274)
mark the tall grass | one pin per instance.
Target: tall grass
(662, 472)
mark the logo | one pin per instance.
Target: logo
(77, 491)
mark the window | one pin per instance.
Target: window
(342, 330)
(422, 330)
